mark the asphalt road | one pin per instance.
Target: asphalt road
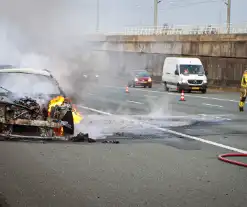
(150, 167)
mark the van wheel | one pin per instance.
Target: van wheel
(204, 91)
(166, 88)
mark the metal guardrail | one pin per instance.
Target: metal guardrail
(187, 30)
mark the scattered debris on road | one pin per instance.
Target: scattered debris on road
(110, 142)
(81, 137)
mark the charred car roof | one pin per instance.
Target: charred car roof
(26, 70)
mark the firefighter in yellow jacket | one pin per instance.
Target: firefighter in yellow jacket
(243, 91)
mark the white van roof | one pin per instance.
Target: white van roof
(186, 60)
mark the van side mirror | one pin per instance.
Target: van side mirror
(176, 72)
(206, 73)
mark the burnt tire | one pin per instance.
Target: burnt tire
(69, 118)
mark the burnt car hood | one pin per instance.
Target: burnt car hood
(11, 98)
(36, 105)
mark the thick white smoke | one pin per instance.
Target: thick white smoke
(49, 34)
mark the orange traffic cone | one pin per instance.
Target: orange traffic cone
(127, 89)
(182, 96)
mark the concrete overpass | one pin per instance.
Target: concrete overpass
(224, 56)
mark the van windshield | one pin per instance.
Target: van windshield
(191, 69)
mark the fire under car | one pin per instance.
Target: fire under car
(32, 104)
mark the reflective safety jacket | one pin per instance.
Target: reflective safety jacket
(244, 80)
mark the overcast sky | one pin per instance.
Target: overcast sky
(76, 16)
(56, 27)
(177, 12)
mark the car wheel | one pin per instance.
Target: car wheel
(189, 91)
(204, 91)
(150, 86)
(69, 118)
(144, 86)
(166, 88)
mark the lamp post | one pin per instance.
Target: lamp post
(228, 21)
(97, 20)
(156, 2)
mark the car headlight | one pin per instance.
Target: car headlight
(97, 76)
(205, 81)
(149, 80)
(183, 80)
(136, 79)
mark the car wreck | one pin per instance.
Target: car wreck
(32, 104)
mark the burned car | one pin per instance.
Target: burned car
(32, 104)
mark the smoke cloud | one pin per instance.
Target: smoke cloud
(51, 34)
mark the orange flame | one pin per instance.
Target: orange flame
(54, 102)
(59, 100)
(77, 117)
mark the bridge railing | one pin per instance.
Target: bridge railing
(187, 30)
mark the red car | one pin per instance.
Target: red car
(141, 78)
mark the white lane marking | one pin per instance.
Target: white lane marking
(170, 131)
(150, 96)
(135, 102)
(94, 110)
(205, 97)
(175, 94)
(212, 105)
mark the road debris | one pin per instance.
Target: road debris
(110, 142)
(81, 137)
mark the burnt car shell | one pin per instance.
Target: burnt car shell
(25, 120)
(27, 115)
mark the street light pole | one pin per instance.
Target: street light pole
(97, 20)
(155, 14)
(228, 16)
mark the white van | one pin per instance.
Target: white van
(186, 74)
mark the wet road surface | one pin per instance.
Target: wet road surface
(150, 167)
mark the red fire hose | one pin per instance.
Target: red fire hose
(224, 159)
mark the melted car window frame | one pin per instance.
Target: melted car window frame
(52, 85)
